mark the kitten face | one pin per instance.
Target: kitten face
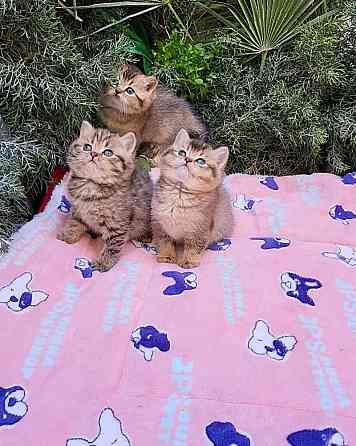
(194, 165)
(101, 156)
(133, 94)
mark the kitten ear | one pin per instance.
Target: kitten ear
(221, 155)
(129, 142)
(182, 139)
(86, 129)
(150, 83)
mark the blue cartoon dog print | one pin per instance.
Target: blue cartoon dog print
(225, 434)
(338, 213)
(269, 182)
(148, 339)
(182, 282)
(110, 433)
(12, 405)
(222, 245)
(18, 296)
(273, 242)
(244, 203)
(346, 255)
(263, 342)
(83, 265)
(312, 437)
(64, 206)
(349, 178)
(298, 287)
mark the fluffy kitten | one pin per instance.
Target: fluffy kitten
(190, 205)
(109, 195)
(138, 104)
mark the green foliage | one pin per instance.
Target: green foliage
(141, 46)
(298, 115)
(192, 63)
(263, 25)
(183, 14)
(49, 83)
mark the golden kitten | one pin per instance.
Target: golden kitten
(138, 104)
(190, 206)
(110, 196)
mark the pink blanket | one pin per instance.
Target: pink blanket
(257, 346)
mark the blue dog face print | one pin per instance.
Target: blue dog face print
(264, 343)
(83, 265)
(110, 433)
(298, 287)
(273, 242)
(64, 206)
(338, 213)
(182, 282)
(244, 203)
(222, 245)
(225, 434)
(148, 340)
(18, 296)
(312, 437)
(12, 405)
(349, 178)
(269, 182)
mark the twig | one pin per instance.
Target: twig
(119, 21)
(73, 14)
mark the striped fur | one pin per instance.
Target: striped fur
(190, 207)
(110, 197)
(153, 113)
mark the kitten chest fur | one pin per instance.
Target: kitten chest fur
(103, 210)
(182, 214)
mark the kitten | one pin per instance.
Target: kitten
(138, 104)
(109, 195)
(190, 206)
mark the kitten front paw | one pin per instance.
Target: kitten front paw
(102, 265)
(147, 238)
(166, 259)
(187, 264)
(68, 237)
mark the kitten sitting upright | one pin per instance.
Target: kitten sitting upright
(138, 104)
(109, 195)
(190, 205)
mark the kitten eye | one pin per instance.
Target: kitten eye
(200, 161)
(108, 152)
(130, 91)
(182, 152)
(87, 148)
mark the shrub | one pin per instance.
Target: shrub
(298, 115)
(49, 83)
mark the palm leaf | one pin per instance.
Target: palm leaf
(265, 25)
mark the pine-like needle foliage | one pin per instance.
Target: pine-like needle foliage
(299, 114)
(49, 83)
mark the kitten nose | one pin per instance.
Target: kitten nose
(188, 160)
(117, 91)
(93, 154)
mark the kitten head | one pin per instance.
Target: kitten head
(196, 166)
(133, 94)
(101, 156)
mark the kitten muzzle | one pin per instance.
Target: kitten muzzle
(108, 101)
